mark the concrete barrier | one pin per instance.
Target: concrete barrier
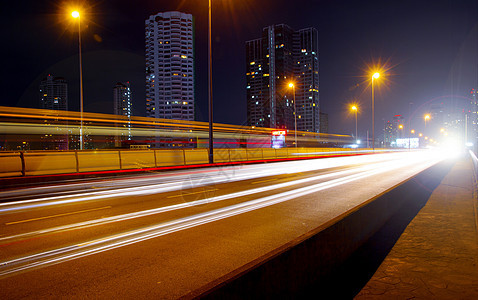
(254, 154)
(268, 153)
(10, 164)
(221, 155)
(169, 158)
(137, 159)
(296, 152)
(238, 154)
(49, 162)
(196, 156)
(282, 153)
(98, 161)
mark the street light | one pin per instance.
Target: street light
(76, 14)
(291, 85)
(375, 75)
(426, 117)
(355, 109)
(211, 136)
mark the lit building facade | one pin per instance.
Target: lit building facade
(122, 105)
(170, 66)
(279, 57)
(54, 93)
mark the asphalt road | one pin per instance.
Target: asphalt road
(164, 235)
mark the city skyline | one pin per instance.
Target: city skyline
(432, 53)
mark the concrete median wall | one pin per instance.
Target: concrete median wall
(11, 164)
(29, 163)
(51, 162)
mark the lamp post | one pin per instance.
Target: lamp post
(291, 85)
(376, 75)
(211, 135)
(355, 109)
(75, 14)
(426, 117)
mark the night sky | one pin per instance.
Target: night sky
(429, 49)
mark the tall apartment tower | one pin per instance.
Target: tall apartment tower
(279, 57)
(122, 106)
(170, 66)
(122, 99)
(54, 93)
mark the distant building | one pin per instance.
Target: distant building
(388, 134)
(398, 127)
(54, 93)
(170, 66)
(122, 105)
(279, 57)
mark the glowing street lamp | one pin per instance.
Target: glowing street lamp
(426, 117)
(375, 75)
(412, 131)
(291, 85)
(355, 109)
(76, 14)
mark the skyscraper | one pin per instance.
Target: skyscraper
(122, 106)
(280, 57)
(170, 66)
(54, 93)
(122, 99)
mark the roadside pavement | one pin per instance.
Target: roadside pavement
(436, 257)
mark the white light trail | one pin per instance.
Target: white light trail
(207, 177)
(134, 236)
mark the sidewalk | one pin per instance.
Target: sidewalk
(436, 257)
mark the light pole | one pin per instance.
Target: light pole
(355, 109)
(291, 85)
(426, 117)
(76, 15)
(376, 75)
(211, 135)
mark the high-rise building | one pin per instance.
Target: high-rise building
(388, 134)
(282, 56)
(122, 99)
(54, 93)
(122, 106)
(170, 66)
